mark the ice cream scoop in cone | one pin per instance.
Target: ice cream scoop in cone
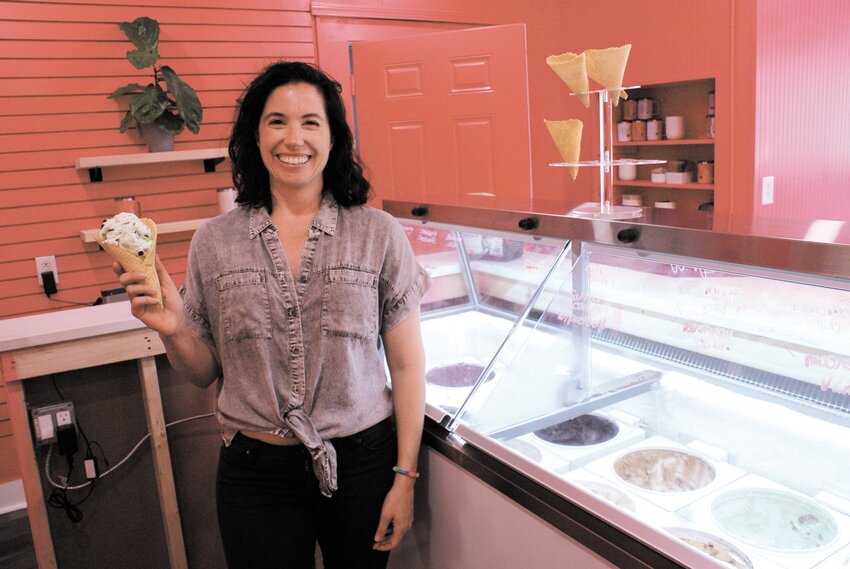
(567, 137)
(132, 242)
(606, 67)
(572, 69)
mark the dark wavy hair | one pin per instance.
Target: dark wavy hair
(343, 174)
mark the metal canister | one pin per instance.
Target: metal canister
(638, 130)
(705, 172)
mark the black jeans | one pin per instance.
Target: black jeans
(271, 513)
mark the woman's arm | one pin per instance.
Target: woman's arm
(190, 356)
(406, 360)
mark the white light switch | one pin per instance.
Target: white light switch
(767, 190)
(44, 429)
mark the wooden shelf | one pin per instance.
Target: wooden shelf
(682, 142)
(210, 156)
(88, 235)
(647, 184)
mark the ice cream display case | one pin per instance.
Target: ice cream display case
(688, 386)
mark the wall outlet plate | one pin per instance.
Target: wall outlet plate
(46, 265)
(48, 419)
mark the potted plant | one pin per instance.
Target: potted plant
(159, 113)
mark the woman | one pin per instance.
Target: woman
(290, 302)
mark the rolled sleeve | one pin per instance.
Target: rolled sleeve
(194, 304)
(403, 280)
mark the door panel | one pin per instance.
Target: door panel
(443, 117)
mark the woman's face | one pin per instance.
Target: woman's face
(294, 138)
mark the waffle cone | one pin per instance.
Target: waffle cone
(567, 137)
(572, 69)
(606, 67)
(132, 262)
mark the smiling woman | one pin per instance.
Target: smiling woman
(283, 302)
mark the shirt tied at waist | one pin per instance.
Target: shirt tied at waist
(322, 453)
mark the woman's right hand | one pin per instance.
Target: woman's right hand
(143, 303)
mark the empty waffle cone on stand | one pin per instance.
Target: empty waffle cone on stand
(133, 260)
(572, 69)
(567, 137)
(606, 67)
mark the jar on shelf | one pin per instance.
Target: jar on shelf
(128, 204)
(630, 108)
(654, 129)
(638, 130)
(624, 131)
(705, 172)
(709, 125)
(711, 102)
(633, 200)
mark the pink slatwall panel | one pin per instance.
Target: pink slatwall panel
(59, 61)
(802, 116)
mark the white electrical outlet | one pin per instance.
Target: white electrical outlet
(767, 190)
(46, 265)
(63, 418)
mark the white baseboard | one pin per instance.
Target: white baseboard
(12, 497)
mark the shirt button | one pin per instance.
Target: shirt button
(292, 312)
(295, 350)
(296, 389)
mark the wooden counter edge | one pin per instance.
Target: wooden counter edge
(37, 361)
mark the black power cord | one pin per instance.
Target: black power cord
(59, 497)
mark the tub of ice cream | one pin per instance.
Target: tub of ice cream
(774, 519)
(525, 448)
(584, 430)
(664, 470)
(456, 374)
(609, 493)
(713, 546)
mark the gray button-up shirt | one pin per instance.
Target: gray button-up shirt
(301, 357)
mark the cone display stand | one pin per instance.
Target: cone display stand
(606, 209)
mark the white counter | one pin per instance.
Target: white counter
(52, 327)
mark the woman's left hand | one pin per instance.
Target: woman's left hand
(398, 511)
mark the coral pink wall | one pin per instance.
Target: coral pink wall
(61, 60)
(802, 130)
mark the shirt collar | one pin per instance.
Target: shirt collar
(325, 219)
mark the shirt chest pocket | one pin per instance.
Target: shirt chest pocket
(244, 302)
(350, 303)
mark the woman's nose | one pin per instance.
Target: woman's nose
(294, 136)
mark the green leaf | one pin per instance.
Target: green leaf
(170, 123)
(130, 89)
(188, 104)
(147, 106)
(125, 122)
(143, 32)
(141, 59)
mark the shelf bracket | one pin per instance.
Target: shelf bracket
(95, 174)
(211, 163)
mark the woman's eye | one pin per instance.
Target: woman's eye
(312, 123)
(275, 122)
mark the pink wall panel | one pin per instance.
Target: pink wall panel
(803, 126)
